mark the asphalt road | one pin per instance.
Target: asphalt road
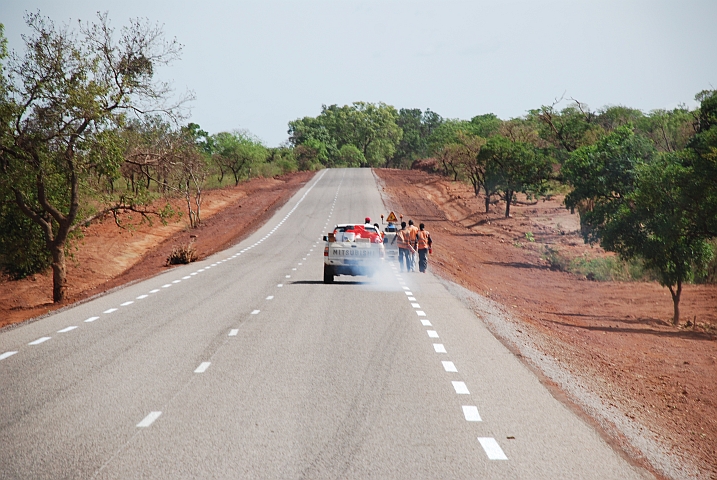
(246, 365)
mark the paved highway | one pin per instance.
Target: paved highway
(246, 365)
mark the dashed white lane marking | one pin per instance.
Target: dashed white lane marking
(167, 285)
(449, 366)
(471, 413)
(200, 270)
(420, 313)
(432, 333)
(409, 293)
(270, 297)
(415, 305)
(193, 273)
(186, 277)
(406, 288)
(126, 303)
(176, 281)
(294, 269)
(411, 299)
(255, 312)
(154, 291)
(202, 367)
(6, 355)
(149, 419)
(439, 348)
(67, 329)
(142, 297)
(426, 323)
(492, 449)
(288, 276)
(92, 319)
(299, 263)
(110, 310)
(39, 341)
(460, 388)
(233, 332)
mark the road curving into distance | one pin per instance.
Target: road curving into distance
(246, 365)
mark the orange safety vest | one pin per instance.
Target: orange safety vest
(424, 240)
(402, 237)
(412, 232)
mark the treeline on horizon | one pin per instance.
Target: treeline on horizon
(88, 132)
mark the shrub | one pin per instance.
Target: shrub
(182, 254)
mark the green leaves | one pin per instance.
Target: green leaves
(370, 128)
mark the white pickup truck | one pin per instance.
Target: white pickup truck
(352, 249)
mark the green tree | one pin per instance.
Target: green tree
(369, 127)
(417, 127)
(513, 167)
(59, 100)
(238, 152)
(633, 202)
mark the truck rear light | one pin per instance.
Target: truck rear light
(326, 251)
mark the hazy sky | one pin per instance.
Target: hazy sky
(257, 65)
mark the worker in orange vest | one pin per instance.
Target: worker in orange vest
(412, 232)
(404, 247)
(423, 244)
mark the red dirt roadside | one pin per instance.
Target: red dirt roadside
(616, 336)
(107, 256)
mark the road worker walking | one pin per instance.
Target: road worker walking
(412, 232)
(404, 247)
(424, 243)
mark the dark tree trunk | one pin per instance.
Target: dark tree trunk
(59, 273)
(508, 198)
(676, 302)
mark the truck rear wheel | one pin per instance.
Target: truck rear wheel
(328, 274)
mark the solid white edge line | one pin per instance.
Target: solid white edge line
(492, 449)
(439, 348)
(39, 341)
(202, 367)
(6, 355)
(471, 413)
(149, 419)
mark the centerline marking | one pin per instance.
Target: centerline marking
(149, 419)
(110, 310)
(255, 312)
(439, 348)
(39, 341)
(460, 388)
(91, 319)
(67, 329)
(233, 332)
(432, 333)
(471, 413)
(426, 323)
(6, 355)
(202, 367)
(449, 366)
(492, 449)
